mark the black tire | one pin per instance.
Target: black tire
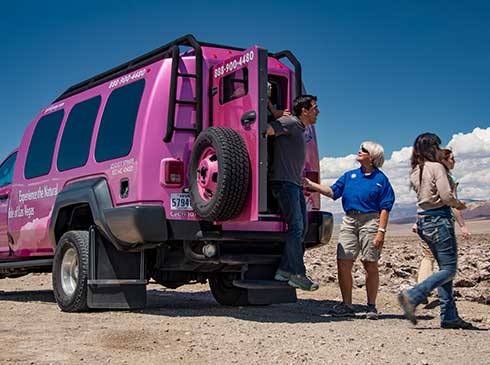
(70, 290)
(225, 292)
(233, 174)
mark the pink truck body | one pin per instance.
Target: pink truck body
(171, 111)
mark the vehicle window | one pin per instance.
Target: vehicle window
(77, 134)
(40, 154)
(7, 170)
(115, 137)
(234, 86)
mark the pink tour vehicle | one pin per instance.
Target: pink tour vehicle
(157, 170)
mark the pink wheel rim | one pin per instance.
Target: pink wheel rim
(207, 174)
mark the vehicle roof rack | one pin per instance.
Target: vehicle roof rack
(162, 52)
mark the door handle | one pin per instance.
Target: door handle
(4, 196)
(248, 118)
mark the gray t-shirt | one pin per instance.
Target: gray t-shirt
(289, 153)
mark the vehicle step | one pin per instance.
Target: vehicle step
(262, 284)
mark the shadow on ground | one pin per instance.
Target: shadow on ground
(197, 304)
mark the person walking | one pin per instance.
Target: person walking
(427, 263)
(367, 199)
(286, 180)
(435, 198)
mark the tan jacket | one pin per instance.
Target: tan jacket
(436, 189)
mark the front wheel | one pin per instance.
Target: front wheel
(70, 271)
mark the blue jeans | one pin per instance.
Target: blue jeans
(293, 207)
(438, 233)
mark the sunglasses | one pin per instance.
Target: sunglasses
(364, 150)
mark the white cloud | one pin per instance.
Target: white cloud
(472, 170)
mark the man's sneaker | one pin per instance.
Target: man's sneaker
(302, 282)
(371, 312)
(342, 310)
(408, 307)
(458, 324)
(282, 275)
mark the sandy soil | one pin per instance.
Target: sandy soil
(188, 326)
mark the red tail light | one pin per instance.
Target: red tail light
(174, 172)
(313, 176)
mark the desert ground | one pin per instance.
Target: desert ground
(187, 326)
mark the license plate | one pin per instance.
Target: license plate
(180, 201)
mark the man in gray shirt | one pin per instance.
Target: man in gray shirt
(286, 185)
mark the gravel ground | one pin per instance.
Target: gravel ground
(187, 326)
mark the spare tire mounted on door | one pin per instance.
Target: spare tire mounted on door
(219, 174)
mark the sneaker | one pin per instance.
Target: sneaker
(371, 312)
(342, 310)
(408, 307)
(302, 282)
(458, 324)
(282, 275)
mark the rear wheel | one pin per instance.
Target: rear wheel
(225, 292)
(70, 271)
(219, 173)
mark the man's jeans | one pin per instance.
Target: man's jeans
(438, 233)
(293, 207)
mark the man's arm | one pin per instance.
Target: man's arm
(270, 131)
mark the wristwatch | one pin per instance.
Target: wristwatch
(382, 230)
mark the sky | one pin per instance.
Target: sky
(382, 70)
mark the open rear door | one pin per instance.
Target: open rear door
(239, 101)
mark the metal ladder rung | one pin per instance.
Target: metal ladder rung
(189, 102)
(187, 75)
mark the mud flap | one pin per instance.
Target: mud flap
(116, 279)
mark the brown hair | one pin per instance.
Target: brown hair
(425, 148)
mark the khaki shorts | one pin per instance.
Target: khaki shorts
(357, 234)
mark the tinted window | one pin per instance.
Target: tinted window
(234, 86)
(75, 143)
(7, 170)
(40, 154)
(116, 131)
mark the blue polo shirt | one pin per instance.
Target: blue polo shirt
(365, 193)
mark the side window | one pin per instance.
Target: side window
(75, 143)
(40, 154)
(116, 130)
(234, 86)
(279, 91)
(7, 170)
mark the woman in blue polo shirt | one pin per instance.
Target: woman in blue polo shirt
(367, 199)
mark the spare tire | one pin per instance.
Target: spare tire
(219, 174)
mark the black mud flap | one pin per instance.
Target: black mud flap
(116, 279)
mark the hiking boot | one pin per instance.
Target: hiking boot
(282, 275)
(302, 282)
(371, 312)
(342, 310)
(458, 324)
(408, 307)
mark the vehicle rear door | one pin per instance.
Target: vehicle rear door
(6, 172)
(239, 101)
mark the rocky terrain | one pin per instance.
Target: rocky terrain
(400, 262)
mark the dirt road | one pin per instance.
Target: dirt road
(188, 326)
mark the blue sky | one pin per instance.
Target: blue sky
(383, 70)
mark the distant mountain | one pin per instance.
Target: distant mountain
(406, 213)
(477, 210)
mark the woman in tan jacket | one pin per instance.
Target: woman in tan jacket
(435, 225)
